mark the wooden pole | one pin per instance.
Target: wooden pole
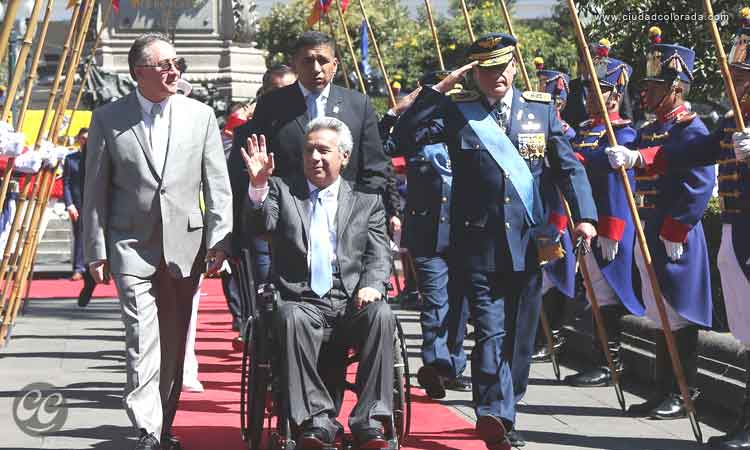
(87, 71)
(11, 94)
(351, 48)
(435, 38)
(343, 64)
(467, 19)
(41, 39)
(654, 280)
(722, 56)
(70, 76)
(10, 18)
(58, 74)
(23, 54)
(517, 50)
(12, 242)
(377, 54)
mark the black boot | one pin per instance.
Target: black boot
(600, 375)
(739, 437)
(663, 378)
(673, 406)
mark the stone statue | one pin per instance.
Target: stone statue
(246, 24)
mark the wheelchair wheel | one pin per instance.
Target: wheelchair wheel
(245, 378)
(402, 385)
(257, 394)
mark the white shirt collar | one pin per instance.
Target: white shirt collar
(507, 99)
(147, 104)
(323, 94)
(331, 190)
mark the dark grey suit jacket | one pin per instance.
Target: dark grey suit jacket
(281, 116)
(362, 251)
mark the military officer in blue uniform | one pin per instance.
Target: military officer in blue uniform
(559, 276)
(610, 265)
(426, 235)
(503, 145)
(672, 205)
(734, 193)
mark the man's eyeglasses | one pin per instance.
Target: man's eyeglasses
(166, 64)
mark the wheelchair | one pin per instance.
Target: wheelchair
(263, 421)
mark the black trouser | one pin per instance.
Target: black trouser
(315, 370)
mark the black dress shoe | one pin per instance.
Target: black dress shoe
(368, 438)
(84, 296)
(315, 438)
(541, 355)
(431, 381)
(169, 442)
(645, 409)
(596, 377)
(492, 431)
(672, 407)
(460, 384)
(147, 441)
(516, 439)
(739, 440)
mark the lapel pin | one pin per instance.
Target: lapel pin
(336, 109)
(531, 116)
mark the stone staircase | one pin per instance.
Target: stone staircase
(54, 254)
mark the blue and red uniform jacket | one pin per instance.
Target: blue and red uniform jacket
(562, 272)
(615, 221)
(671, 202)
(734, 179)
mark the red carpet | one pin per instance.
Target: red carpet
(211, 419)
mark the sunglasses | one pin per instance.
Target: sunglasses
(165, 65)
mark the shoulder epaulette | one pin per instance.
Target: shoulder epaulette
(647, 123)
(464, 96)
(534, 96)
(619, 123)
(685, 118)
(586, 123)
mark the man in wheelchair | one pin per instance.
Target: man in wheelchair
(331, 263)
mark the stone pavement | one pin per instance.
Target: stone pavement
(81, 353)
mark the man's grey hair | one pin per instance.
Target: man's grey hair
(139, 52)
(346, 143)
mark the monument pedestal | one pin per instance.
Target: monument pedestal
(202, 32)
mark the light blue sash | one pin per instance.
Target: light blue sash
(502, 151)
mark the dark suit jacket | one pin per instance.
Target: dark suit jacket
(281, 116)
(362, 251)
(73, 170)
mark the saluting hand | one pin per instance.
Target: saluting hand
(258, 161)
(405, 102)
(450, 81)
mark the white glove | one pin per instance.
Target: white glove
(620, 156)
(608, 247)
(674, 249)
(13, 144)
(29, 162)
(741, 142)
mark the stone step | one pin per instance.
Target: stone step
(66, 234)
(58, 245)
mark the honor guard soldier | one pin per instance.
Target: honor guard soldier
(671, 205)
(503, 146)
(426, 235)
(734, 193)
(559, 276)
(610, 264)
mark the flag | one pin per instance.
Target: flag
(116, 6)
(71, 4)
(364, 40)
(320, 7)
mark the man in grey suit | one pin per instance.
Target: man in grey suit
(331, 262)
(150, 157)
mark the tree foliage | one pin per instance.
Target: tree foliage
(626, 24)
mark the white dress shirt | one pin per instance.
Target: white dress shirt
(157, 128)
(322, 99)
(330, 198)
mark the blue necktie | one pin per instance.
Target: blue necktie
(312, 105)
(321, 273)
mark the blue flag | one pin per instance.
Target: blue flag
(364, 48)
